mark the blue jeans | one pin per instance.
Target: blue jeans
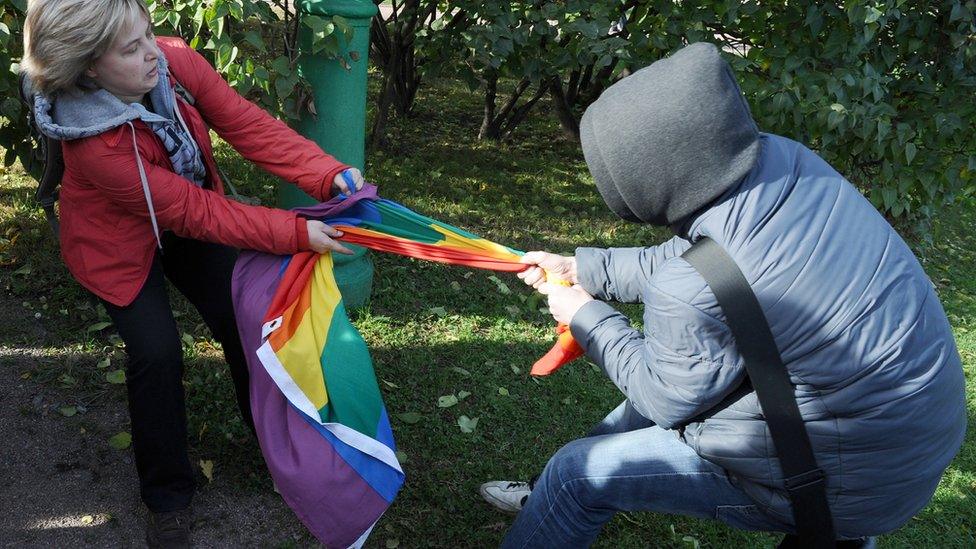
(627, 463)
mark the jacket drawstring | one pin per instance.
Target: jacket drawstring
(145, 187)
(186, 128)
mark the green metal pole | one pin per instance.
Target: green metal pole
(338, 94)
(339, 123)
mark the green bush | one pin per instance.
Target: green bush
(13, 125)
(565, 47)
(253, 44)
(883, 89)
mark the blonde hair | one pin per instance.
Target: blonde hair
(62, 38)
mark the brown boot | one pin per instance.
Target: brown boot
(170, 529)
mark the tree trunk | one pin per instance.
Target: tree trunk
(377, 134)
(500, 125)
(489, 128)
(564, 110)
(523, 111)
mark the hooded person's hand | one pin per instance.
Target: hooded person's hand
(564, 301)
(543, 263)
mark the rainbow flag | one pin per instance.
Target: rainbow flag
(386, 226)
(318, 412)
(319, 416)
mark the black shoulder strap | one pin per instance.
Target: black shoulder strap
(183, 92)
(805, 481)
(48, 153)
(190, 100)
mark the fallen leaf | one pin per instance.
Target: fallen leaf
(206, 467)
(104, 363)
(439, 311)
(501, 286)
(87, 519)
(392, 543)
(461, 371)
(98, 326)
(401, 456)
(447, 401)
(503, 391)
(463, 395)
(390, 384)
(68, 411)
(467, 424)
(120, 441)
(410, 417)
(115, 377)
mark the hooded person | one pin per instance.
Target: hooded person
(866, 343)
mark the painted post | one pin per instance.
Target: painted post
(339, 122)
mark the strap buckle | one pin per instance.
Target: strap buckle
(805, 480)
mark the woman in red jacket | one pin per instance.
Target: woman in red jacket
(141, 199)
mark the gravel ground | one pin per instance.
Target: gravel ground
(62, 485)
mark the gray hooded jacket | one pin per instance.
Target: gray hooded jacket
(864, 338)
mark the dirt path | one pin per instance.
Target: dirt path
(62, 485)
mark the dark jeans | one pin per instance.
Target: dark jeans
(154, 376)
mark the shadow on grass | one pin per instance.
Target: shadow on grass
(519, 429)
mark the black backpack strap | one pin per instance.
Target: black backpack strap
(805, 481)
(183, 92)
(48, 153)
(190, 100)
(47, 188)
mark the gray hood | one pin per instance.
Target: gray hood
(671, 138)
(94, 111)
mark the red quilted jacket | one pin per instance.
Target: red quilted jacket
(107, 237)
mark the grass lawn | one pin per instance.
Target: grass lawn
(435, 330)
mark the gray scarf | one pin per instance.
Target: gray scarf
(94, 111)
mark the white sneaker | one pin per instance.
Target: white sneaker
(506, 495)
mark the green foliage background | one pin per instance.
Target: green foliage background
(882, 89)
(252, 44)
